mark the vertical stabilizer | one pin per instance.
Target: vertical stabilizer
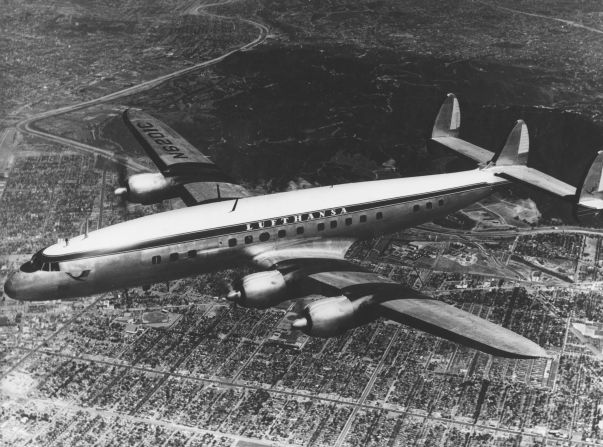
(591, 193)
(516, 148)
(448, 121)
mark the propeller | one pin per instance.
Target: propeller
(122, 181)
(298, 320)
(233, 295)
(300, 323)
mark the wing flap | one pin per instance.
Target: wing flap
(446, 321)
(200, 192)
(358, 283)
(300, 253)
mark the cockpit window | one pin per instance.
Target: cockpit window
(37, 263)
(34, 264)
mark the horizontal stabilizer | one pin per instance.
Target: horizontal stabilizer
(466, 149)
(446, 321)
(540, 180)
(515, 150)
(446, 131)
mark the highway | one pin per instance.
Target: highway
(542, 16)
(27, 125)
(432, 228)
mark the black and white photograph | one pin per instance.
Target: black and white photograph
(317, 223)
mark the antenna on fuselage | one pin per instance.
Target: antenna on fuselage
(218, 191)
(86, 233)
(234, 207)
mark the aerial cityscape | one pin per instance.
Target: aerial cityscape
(283, 96)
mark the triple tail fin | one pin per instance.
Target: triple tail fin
(511, 162)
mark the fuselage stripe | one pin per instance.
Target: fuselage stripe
(245, 227)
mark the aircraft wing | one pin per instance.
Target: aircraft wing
(324, 271)
(199, 178)
(451, 323)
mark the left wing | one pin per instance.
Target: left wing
(186, 171)
(358, 296)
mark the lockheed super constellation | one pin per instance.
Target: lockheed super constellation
(297, 239)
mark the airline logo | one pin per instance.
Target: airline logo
(296, 218)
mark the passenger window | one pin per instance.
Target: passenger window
(441, 202)
(54, 266)
(348, 221)
(174, 257)
(232, 242)
(192, 253)
(46, 267)
(363, 218)
(282, 233)
(379, 215)
(264, 237)
(416, 208)
(300, 230)
(333, 224)
(248, 239)
(156, 260)
(320, 227)
(428, 205)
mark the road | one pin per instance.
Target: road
(432, 228)
(273, 390)
(27, 125)
(367, 389)
(39, 347)
(542, 16)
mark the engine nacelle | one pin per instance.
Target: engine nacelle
(260, 290)
(330, 317)
(149, 188)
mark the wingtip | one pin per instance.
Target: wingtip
(520, 347)
(536, 351)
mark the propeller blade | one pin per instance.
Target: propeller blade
(233, 296)
(300, 323)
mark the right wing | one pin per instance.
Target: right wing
(199, 179)
(451, 323)
(412, 308)
(319, 267)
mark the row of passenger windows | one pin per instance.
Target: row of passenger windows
(428, 205)
(265, 236)
(175, 256)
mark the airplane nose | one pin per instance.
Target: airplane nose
(9, 287)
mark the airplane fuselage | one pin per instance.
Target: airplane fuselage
(204, 238)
